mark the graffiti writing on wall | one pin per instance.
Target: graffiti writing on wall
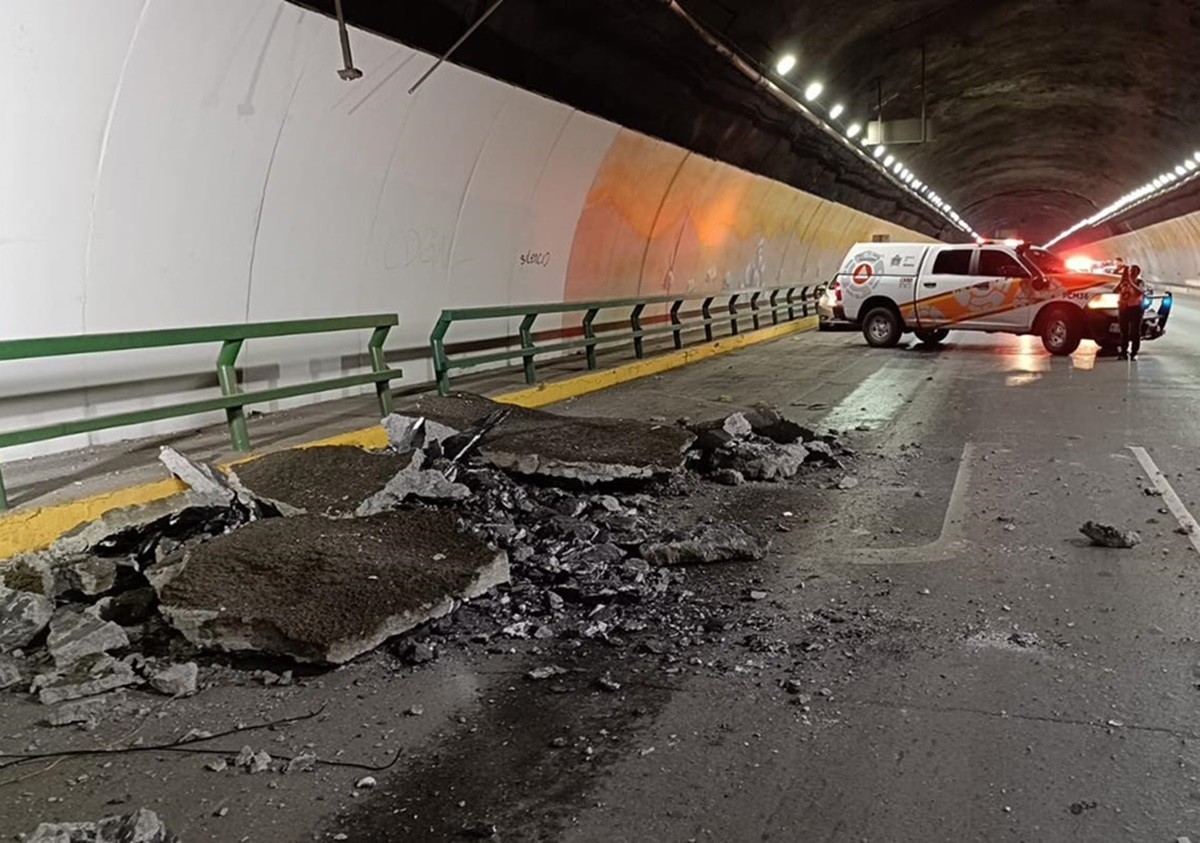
(535, 259)
(416, 247)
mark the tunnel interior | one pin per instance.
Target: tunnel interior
(1040, 112)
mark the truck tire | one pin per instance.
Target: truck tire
(932, 336)
(882, 327)
(1062, 331)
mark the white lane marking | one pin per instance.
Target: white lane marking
(952, 526)
(1185, 519)
(875, 401)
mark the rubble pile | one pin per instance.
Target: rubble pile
(544, 526)
(142, 826)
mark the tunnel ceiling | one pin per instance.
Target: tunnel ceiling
(1042, 111)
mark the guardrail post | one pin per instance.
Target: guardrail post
(707, 314)
(3, 495)
(774, 307)
(791, 305)
(589, 334)
(635, 322)
(677, 333)
(733, 317)
(527, 347)
(383, 389)
(227, 377)
(754, 308)
(437, 342)
(805, 294)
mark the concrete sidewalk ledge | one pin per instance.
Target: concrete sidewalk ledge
(25, 531)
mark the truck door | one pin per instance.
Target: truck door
(1001, 286)
(937, 294)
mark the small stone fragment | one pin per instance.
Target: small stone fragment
(305, 762)
(10, 672)
(1106, 535)
(847, 483)
(217, 765)
(546, 672)
(178, 680)
(729, 477)
(706, 544)
(365, 783)
(415, 711)
(607, 683)
(244, 757)
(260, 762)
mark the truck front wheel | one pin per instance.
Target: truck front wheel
(1062, 331)
(882, 328)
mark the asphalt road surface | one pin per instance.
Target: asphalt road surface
(1001, 680)
(931, 653)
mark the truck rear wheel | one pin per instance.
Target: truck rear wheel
(932, 336)
(1062, 331)
(882, 328)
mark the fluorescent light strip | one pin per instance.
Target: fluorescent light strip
(1174, 179)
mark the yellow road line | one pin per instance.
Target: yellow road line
(551, 393)
(24, 531)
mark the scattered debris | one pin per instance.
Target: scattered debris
(305, 762)
(365, 783)
(1078, 808)
(547, 672)
(410, 433)
(142, 826)
(1105, 535)
(412, 481)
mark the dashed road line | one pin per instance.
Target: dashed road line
(1185, 519)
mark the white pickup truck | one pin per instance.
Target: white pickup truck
(892, 288)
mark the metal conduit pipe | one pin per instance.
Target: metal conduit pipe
(762, 81)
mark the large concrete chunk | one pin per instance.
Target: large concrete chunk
(90, 675)
(583, 450)
(704, 545)
(322, 590)
(23, 615)
(142, 826)
(332, 480)
(75, 634)
(762, 460)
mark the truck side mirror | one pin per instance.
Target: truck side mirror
(1039, 282)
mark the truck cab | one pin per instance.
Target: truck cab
(889, 289)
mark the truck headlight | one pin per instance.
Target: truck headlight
(1105, 301)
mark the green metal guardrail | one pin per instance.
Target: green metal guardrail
(677, 324)
(232, 399)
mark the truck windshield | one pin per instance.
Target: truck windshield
(1043, 260)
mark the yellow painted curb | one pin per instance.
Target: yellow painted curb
(36, 529)
(545, 394)
(22, 532)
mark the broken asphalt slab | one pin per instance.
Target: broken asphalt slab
(329, 480)
(324, 590)
(588, 451)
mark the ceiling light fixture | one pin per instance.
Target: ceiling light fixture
(853, 131)
(785, 65)
(837, 111)
(813, 91)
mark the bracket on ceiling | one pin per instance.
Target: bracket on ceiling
(348, 72)
(895, 132)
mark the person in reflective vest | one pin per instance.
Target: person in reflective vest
(1131, 292)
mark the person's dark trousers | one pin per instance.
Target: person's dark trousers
(1131, 329)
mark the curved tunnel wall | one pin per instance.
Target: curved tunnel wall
(1167, 251)
(187, 162)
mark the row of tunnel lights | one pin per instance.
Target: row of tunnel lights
(812, 93)
(1168, 181)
